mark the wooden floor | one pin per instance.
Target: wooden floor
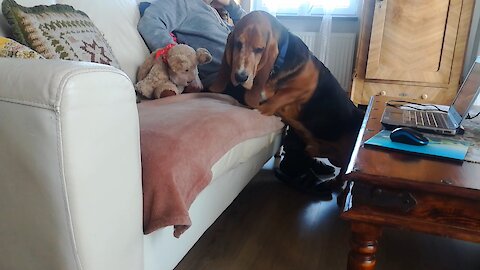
(272, 226)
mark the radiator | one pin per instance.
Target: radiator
(340, 54)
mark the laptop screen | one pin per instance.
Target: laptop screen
(468, 91)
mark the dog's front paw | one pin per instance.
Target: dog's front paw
(266, 109)
(165, 91)
(144, 89)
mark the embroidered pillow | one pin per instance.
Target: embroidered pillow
(58, 32)
(11, 48)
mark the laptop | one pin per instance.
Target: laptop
(427, 117)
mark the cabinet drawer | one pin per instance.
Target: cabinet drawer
(421, 93)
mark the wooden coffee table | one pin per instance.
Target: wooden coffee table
(423, 194)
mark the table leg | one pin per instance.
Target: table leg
(363, 246)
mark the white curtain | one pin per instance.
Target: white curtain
(324, 36)
(302, 7)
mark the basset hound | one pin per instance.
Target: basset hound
(282, 77)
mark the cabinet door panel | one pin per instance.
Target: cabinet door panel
(413, 40)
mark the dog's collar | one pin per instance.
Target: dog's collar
(163, 52)
(282, 53)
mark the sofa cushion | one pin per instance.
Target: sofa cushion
(11, 48)
(58, 32)
(178, 150)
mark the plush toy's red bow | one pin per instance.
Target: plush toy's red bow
(163, 51)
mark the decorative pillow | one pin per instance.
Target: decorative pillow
(58, 32)
(11, 48)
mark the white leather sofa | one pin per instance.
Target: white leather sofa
(68, 202)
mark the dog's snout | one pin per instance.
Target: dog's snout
(241, 77)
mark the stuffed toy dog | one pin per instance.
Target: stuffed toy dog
(167, 71)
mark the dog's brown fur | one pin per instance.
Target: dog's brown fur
(301, 91)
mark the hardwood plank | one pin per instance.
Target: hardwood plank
(272, 226)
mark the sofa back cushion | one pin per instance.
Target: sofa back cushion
(117, 20)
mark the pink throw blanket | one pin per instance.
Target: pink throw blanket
(181, 138)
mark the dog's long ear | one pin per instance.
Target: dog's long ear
(203, 56)
(266, 63)
(223, 77)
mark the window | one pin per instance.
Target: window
(308, 7)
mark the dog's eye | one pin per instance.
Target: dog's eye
(258, 50)
(186, 70)
(238, 45)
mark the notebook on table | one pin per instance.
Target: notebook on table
(430, 118)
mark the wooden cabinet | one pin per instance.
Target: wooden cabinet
(411, 49)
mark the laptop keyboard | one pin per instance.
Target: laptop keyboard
(424, 118)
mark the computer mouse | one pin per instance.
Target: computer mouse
(408, 136)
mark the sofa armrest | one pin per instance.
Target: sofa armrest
(70, 175)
